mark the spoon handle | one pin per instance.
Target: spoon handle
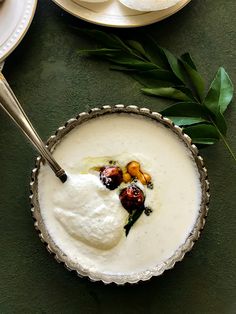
(11, 105)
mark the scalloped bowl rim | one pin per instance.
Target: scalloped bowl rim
(133, 277)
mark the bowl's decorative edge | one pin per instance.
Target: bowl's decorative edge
(180, 253)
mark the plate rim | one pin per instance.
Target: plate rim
(22, 35)
(165, 15)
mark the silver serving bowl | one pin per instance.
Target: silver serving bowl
(183, 249)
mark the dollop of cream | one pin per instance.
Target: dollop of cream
(90, 212)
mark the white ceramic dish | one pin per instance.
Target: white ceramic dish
(114, 14)
(15, 19)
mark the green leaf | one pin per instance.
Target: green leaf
(186, 57)
(220, 93)
(195, 78)
(132, 219)
(131, 63)
(121, 68)
(185, 113)
(121, 43)
(155, 78)
(156, 74)
(137, 46)
(116, 56)
(154, 53)
(184, 121)
(188, 92)
(205, 134)
(166, 92)
(175, 65)
(218, 98)
(103, 52)
(160, 74)
(150, 83)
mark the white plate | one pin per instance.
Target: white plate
(114, 14)
(15, 19)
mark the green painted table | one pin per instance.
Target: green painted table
(54, 84)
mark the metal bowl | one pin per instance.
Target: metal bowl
(183, 249)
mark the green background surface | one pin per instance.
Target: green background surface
(54, 84)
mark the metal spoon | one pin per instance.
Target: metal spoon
(11, 105)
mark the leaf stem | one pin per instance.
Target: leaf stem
(224, 140)
(138, 56)
(144, 60)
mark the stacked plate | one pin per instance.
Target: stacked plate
(15, 19)
(122, 13)
(16, 15)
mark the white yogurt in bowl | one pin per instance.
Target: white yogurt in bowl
(83, 221)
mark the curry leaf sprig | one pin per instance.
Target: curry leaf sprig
(162, 74)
